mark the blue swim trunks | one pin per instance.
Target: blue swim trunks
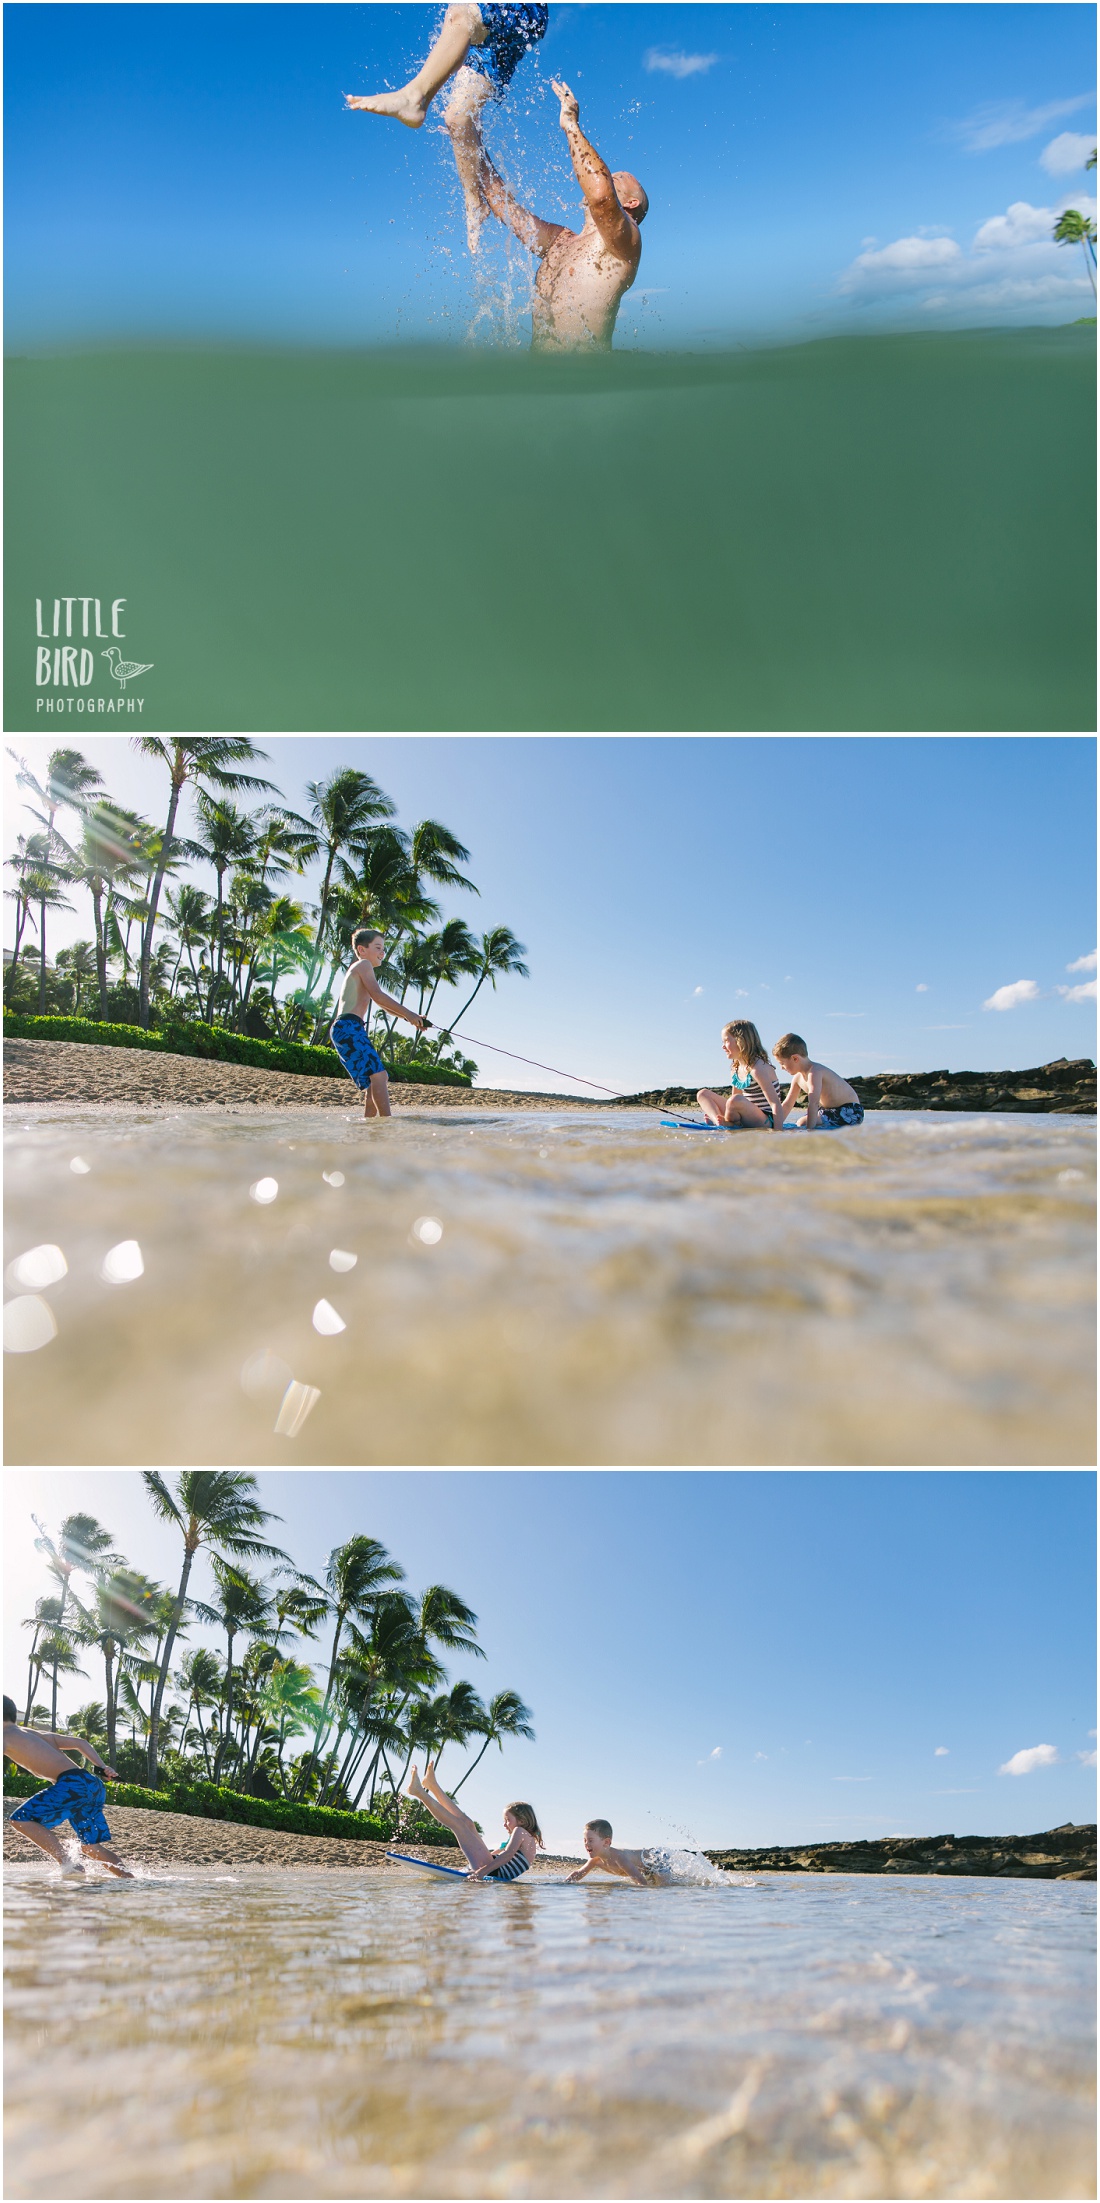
(360, 1060)
(834, 1120)
(77, 1798)
(513, 31)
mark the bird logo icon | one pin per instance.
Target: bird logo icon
(123, 669)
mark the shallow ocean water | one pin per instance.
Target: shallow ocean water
(356, 2035)
(573, 1287)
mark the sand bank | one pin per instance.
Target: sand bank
(180, 1839)
(43, 1071)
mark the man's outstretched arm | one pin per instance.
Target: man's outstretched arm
(532, 231)
(596, 180)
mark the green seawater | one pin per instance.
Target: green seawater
(890, 533)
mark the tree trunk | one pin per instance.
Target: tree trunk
(108, 1663)
(100, 949)
(150, 923)
(472, 1765)
(42, 957)
(162, 1677)
(471, 998)
(228, 1719)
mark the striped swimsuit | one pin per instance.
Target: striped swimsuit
(512, 1871)
(754, 1092)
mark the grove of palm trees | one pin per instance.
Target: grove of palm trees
(327, 1686)
(254, 952)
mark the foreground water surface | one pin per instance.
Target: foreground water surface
(573, 1287)
(348, 2035)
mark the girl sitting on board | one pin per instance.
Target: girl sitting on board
(516, 1854)
(754, 1097)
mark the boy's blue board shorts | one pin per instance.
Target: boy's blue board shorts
(360, 1060)
(834, 1120)
(78, 1798)
(513, 31)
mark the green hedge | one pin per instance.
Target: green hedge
(212, 1801)
(213, 1043)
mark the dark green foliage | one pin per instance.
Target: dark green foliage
(213, 1043)
(212, 1801)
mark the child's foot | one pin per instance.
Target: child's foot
(405, 106)
(416, 1789)
(435, 1787)
(73, 1873)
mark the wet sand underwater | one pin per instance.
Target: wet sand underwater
(560, 1287)
(885, 533)
(269, 2034)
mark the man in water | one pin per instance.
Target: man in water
(74, 1795)
(645, 1867)
(348, 1031)
(582, 274)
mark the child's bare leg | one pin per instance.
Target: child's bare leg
(107, 1856)
(47, 1842)
(712, 1105)
(463, 27)
(462, 116)
(376, 1100)
(451, 1816)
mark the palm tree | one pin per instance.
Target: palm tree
(215, 1509)
(90, 1722)
(70, 784)
(43, 1622)
(110, 855)
(1073, 228)
(356, 1575)
(453, 1717)
(500, 953)
(123, 1612)
(80, 962)
(205, 761)
(243, 1604)
(290, 1702)
(189, 914)
(454, 955)
(31, 851)
(229, 837)
(200, 1679)
(82, 1543)
(341, 811)
(507, 1716)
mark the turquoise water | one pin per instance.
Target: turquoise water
(553, 1287)
(878, 533)
(356, 2035)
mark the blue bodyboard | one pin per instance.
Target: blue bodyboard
(690, 1124)
(457, 1873)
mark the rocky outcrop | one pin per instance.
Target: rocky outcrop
(1068, 1088)
(1066, 1854)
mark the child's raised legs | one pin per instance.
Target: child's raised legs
(462, 28)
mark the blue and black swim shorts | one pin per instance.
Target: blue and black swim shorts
(512, 32)
(76, 1797)
(349, 1038)
(834, 1120)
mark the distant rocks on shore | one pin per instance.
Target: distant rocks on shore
(1066, 1087)
(1066, 1854)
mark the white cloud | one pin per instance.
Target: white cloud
(1007, 998)
(1013, 262)
(661, 61)
(906, 257)
(1022, 225)
(941, 1752)
(1067, 153)
(922, 987)
(697, 990)
(1025, 1763)
(1083, 963)
(716, 1754)
(1009, 122)
(759, 1755)
(1086, 993)
(1087, 1759)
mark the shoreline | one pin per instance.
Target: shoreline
(67, 1074)
(151, 1838)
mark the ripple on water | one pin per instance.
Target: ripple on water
(352, 2035)
(554, 1287)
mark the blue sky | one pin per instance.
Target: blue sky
(189, 172)
(871, 893)
(718, 1657)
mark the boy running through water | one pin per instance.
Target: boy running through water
(831, 1103)
(348, 1031)
(481, 46)
(644, 1867)
(75, 1795)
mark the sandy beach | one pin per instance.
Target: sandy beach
(67, 1071)
(181, 1839)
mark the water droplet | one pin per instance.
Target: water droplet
(264, 1373)
(326, 1320)
(28, 1324)
(543, 1153)
(1070, 1177)
(39, 1267)
(333, 1177)
(122, 1264)
(264, 1190)
(298, 1402)
(79, 1166)
(428, 1230)
(339, 1259)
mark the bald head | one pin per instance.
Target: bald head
(630, 194)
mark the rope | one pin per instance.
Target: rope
(530, 1060)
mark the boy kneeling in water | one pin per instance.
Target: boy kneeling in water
(830, 1102)
(348, 1031)
(644, 1867)
(74, 1795)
